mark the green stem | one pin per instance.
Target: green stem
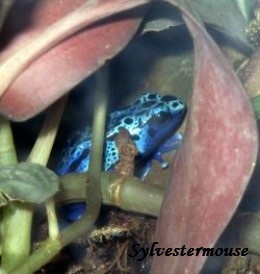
(17, 217)
(85, 224)
(17, 220)
(7, 149)
(52, 219)
(43, 254)
(127, 192)
(49, 248)
(41, 152)
(17, 242)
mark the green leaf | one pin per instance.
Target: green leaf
(229, 17)
(256, 105)
(161, 16)
(225, 15)
(245, 7)
(28, 182)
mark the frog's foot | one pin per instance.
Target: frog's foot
(70, 213)
(144, 170)
(171, 144)
(158, 157)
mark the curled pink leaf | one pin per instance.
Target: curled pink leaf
(60, 47)
(214, 165)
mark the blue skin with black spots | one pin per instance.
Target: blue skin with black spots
(151, 120)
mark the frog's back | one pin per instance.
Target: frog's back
(149, 120)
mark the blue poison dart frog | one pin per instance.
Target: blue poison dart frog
(152, 121)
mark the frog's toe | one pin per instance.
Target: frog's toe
(143, 169)
(158, 157)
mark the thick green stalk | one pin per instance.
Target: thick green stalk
(17, 220)
(7, 149)
(85, 224)
(43, 254)
(41, 152)
(126, 192)
(17, 216)
(49, 248)
(17, 242)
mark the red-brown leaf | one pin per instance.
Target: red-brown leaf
(214, 165)
(62, 67)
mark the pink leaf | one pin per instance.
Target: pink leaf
(52, 55)
(214, 165)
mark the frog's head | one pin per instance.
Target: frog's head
(158, 116)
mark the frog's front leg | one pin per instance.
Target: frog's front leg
(172, 143)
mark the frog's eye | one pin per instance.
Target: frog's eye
(148, 104)
(161, 117)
